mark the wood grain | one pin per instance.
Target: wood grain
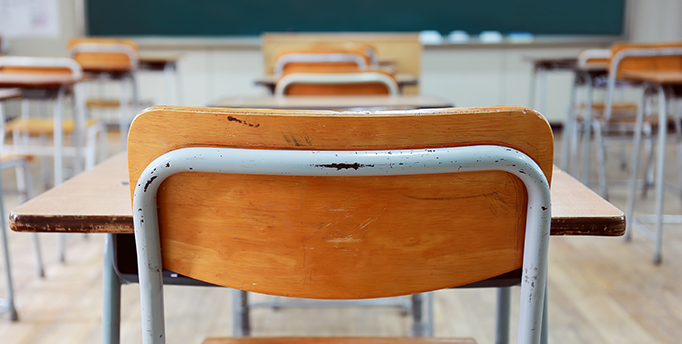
(334, 102)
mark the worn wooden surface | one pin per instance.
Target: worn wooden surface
(403, 50)
(333, 102)
(42, 126)
(99, 202)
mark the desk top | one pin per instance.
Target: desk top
(656, 77)
(333, 102)
(36, 80)
(98, 201)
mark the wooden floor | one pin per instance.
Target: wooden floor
(602, 290)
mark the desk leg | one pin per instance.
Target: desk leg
(111, 296)
(569, 126)
(417, 315)
(629, 214)
(241, 327)
(59, 158)
(10, 290)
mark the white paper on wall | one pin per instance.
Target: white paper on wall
(29, 18)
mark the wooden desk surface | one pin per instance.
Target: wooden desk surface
(36, 80)
(333, 102)
(98, 201)
(568, 63)
(657, 77)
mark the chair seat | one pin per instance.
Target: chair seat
(10, 157)
(338, 340)
(42, 126)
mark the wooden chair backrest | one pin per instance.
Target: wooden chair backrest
(39, 65)
(329, 89)
(321, 51)
(403, 50)
(340, 237)
(103, 61)
(660, 63)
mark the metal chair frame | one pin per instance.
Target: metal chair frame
(311, 163)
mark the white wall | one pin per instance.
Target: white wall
(467, 76)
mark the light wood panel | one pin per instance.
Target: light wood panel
(103, 61)
(657, 63)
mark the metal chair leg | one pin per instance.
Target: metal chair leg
(633, 172)
(502, 320)
(111, 298)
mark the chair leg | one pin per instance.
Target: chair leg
(502, 321)
(587, 132)
(660, 168)
(649, 148)
(601, 159)
(568, 127)
(678, 139)
(629, 214)
(111, 296)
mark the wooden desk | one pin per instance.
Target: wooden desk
(403, 80)
(98, 201)
(9, 93)
(333, 102)
(36, 81)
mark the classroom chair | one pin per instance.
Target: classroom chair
(111, 59)
(372, 205)
(23, 177)
(328, 56)
(337, 81)
(633, 57)
(30, 135)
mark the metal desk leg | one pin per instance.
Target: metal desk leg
(59, 158)
(502, 321)
(417, 316)
(629, 214)
(8, 272)
(111, 296)
(241, 326)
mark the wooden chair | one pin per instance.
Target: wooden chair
(111, 59)
(30, 133)
(23, 178)
(336, 81)
(320, 204)
(326, 56)
(631, 58)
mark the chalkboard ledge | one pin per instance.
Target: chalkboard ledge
(254, 43)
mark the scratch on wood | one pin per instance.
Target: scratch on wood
(235, 119)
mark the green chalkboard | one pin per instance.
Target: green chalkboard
(253, 17)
